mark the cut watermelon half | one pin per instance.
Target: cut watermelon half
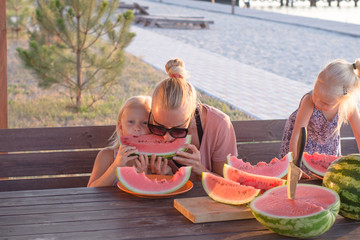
(311, 213)
(227, 191)
(150, 144)
(139, 183)
(261, 182)
(276, 168)
(318, 163)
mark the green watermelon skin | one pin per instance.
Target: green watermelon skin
(343, 176)
(305, 226)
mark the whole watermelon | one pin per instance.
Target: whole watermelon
(343, 176)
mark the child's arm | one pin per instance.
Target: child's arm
(354, 120)
(103, 173)
(302, 119)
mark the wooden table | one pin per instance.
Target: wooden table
(109, 213)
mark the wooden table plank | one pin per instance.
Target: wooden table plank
(88, 213)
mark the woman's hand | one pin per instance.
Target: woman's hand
(123, 156)
(159, 166)
(192, 158)
(142, 164)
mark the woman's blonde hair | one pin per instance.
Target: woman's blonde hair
(342, 81)
(132, 102)
(175, 91)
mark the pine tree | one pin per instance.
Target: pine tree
(18, 14)
(78, 46)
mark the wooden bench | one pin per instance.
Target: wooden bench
(43, 158)
(135, 7)
(172, 21)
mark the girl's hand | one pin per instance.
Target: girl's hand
(123, 156)
(142, 164)
(159, 166)
(192, 158)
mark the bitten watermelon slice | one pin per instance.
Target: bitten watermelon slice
(311, 213)
(318, 163)
(150, 144)
(139, 183)
(227, 191)
(261, 182)
(276, 168)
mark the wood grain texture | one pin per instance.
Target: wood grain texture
(204, 209)
(109, 213)
(3, 68)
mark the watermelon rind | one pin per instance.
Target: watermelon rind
(343, 176)
(307, 226)
(262, 166)
(261, 182)
(311, 168)
(223, 187)
(165, 155)
(167, 186)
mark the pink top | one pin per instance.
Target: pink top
(219, 138)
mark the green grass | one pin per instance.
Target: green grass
(30, 106)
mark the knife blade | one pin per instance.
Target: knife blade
(294, 172)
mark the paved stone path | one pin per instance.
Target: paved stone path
(259, 93)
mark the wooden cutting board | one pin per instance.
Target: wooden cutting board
(204, 209)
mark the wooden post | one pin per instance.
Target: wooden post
(232, 6)
(3, 68)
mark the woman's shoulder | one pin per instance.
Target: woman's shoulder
(214, 114)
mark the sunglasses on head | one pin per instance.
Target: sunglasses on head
(161, 131)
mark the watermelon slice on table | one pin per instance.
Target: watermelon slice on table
(276, 167)
(227, 191)
(139, 183)
(318, 163)
(311, 213)
(261, 182)
(150, 144)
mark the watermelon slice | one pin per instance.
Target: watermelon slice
(227, 191)
(311, 213)
(139, 183)
(150, 144)
(261, 182)
(276, 168)
(318, 163)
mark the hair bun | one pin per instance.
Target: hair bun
(175, 68)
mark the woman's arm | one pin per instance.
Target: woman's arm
(354, 120)
(302, 120)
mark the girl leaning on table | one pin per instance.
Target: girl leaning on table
(332, 102)
(176, 112)
(132, 120)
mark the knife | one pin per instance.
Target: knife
(294, 172)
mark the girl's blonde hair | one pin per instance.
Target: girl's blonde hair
(342, 81)
(132, 102)
(175, 91)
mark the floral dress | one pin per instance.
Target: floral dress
(321, 135)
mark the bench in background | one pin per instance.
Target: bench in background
(43, 158)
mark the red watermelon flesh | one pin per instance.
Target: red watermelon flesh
(261, 182)
(309, 199)
(275, 168)
(152, 144)
(139, 183)
(227, 191)
(318, 163)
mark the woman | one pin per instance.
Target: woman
(175, 112)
